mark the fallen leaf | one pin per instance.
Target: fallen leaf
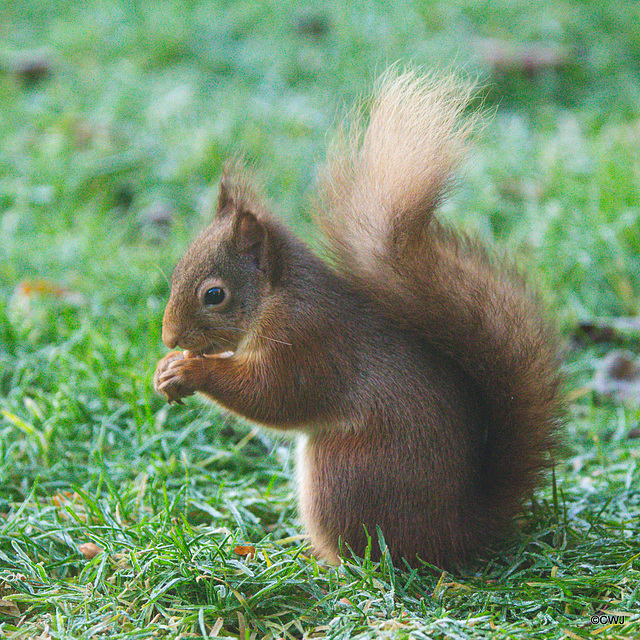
(40, 287)
(70, 501)
(314, 24)
(247, 550)
(215, 630)
(504, 56)
(591, 331)
(618, 376)
(32, 67)
(607, 329)
(90, 550)
(45, 635)
(9, 608)
(155, 221)
(242, 625)
(28, 289)
(64, 498)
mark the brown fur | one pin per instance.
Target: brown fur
(418, 369)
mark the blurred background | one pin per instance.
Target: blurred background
(117, 116)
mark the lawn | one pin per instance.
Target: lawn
(123, 517)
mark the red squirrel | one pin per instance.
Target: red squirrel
(419, 373)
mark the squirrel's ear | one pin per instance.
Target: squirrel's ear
(252, 238)
(250, 233)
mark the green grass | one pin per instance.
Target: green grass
(138, 107)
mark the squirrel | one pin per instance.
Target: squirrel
(417, 369)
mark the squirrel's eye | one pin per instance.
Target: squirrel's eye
(215, 296)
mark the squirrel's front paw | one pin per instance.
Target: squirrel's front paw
(172, 378)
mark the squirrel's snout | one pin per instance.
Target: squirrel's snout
(170, 335)
(172, 328)
(171, 342)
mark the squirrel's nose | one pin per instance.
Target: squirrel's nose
(170, 337)
(170, 332)
(170, 341)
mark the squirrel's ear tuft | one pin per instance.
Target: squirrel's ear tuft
(235, 194)
(225, 197)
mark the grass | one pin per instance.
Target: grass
(116, 118)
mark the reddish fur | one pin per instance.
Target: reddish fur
(419, 369)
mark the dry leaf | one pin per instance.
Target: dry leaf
(69, 500)
(9, 608)
(242, 625)
(247, 550)
(215, 630)
(40, 287)
(313, 23)
(64, 498)
(90, 550)
(154, 222)
(593, 332)
(32, 67)
(27, 290)
(619, 376)
(504, 56)
(607, 329)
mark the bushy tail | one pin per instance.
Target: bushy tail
(378, 194)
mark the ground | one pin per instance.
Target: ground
(122, 516)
